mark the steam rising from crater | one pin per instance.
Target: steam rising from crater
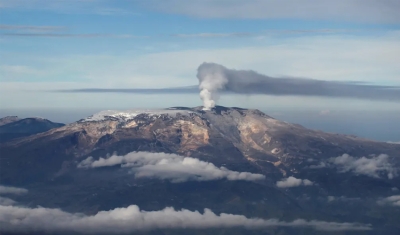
(214, 78)
(211, 78)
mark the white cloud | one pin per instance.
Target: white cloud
(319, 166)
(393, 142)
(372, 167)
(5, 201)
(356, 58)
(372, 11)
(293, 182)
(392, 200)
(131, 219)
(12, 190)
(31, 28)
(169, 166)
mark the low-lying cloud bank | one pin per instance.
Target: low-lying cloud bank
(293, 182)
(392, 200)
(375, 166)
(5, 201)
(12, 190)
(365, 166)
(170, 166)
(131, 219)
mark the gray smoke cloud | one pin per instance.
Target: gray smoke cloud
(131, 219)
(171, 167)
(214, 78)
(293, 182)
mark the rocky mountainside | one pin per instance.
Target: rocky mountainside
(306, 173)
(8, 119)
(12, 127)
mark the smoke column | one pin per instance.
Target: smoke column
(211, 79)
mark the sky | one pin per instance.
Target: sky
(51, 48)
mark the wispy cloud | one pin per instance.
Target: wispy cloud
(169, 166)
(100, 7)
(32, 28)
(265, 33)
(5, 201)
(131, 219)
(372, 167)
(250, 83)
(340, 10)
(54, 32)
(12, 190)
(70, 35)
(213, 35)
(392, 201)
(293, 182)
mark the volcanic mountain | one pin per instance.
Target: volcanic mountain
(12, 127)
(305, 173)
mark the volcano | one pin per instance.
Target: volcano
(305, 173)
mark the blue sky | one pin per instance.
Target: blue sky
(50, 45)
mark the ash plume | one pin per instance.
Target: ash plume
(211, 78)
(216, 78)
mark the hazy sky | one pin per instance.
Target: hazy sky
(48, 45)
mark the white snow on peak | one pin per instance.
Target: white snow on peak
(126, 115)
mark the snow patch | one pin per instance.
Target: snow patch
(131, 114)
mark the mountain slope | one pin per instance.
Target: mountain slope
(8, 119)
(339, 186)
(13, 127)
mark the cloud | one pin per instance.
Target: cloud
(100, 7)
(12, 190)
(213, 35)
(342, 198)
(393, 142)
(293, 182)
(131, 219)
(54, 32)
(5, 201)
(319, 166)
(69, 35)
(170, 167)
(31, 28)
(250, 82)
(334, 58)
(373, 167)
(173, 90)
(370, 11)
(264, 33)
(392, 200)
